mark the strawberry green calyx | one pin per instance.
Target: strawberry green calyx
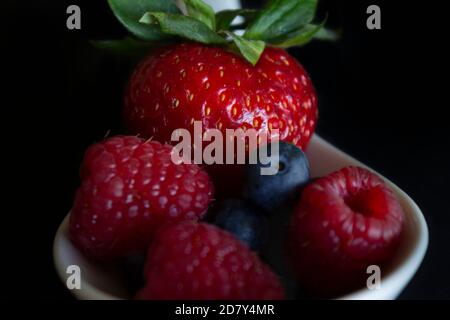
(281, 23)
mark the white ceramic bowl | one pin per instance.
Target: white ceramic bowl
(102, 281)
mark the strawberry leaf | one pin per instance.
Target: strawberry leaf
(281, 23)
(125, 47)
(225, 18)
(182, 26)
(300, 37)
(202, 12)
(327, 35)
(128, 13)
(250, 49)
(280, 17)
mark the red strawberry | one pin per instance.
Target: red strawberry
(179, 84)
(192, 260)
(184, 83)
(343, 223)
(224, 75)
(130, 188)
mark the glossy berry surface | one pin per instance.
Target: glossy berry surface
(185, 82)
(273, 191)
(343, 223)
(242, 219)
(130, 187)
(191, 261)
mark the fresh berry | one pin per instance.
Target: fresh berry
(185, 82)
(130, 187)
(344, 222)
(222, 75)
(191, 260)
(241, 218)
(273, 191)
(191, 82)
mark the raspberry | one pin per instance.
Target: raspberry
(343, 223)
(199, 261)
(130, 188)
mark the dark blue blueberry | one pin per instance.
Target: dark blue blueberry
(273, 191)
(242, 219)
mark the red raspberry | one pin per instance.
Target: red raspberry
(131, 187)
(343, 223)
(199, 261)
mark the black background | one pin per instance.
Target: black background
(378, 98)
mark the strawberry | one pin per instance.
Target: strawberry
(188, 82)
(223, 79)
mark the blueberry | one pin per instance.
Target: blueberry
(242, 219)
(273, 191)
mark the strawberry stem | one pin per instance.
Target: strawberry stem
(283, 23)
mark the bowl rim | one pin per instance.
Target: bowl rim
(88, 291)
